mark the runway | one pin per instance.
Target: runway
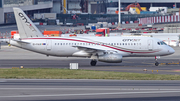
(88, 90)
(16, 57)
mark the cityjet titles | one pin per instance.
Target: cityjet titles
(26, 21)
(131, 40)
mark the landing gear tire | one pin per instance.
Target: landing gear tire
(93, 62)
(156, 64)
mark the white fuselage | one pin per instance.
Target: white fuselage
(71, 46)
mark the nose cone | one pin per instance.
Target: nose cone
(171, 50)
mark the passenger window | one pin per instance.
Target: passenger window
(111, 43)
(114, 43)
(128, 43)
(134, 43)
(63, 43)
(117, 43)
(158, 43)
(125, 43)
(131, 43)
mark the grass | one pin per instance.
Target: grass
(48, 73)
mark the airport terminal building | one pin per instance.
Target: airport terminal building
(151, 3)
(29, 6)
(55, 6)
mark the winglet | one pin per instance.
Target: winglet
(25, 26)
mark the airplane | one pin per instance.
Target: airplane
(104, 49)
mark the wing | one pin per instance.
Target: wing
(92, 51)
(89, 50)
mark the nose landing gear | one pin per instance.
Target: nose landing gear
(156, 62)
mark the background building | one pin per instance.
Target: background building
(151, 3)
(72, 6)
(29, 6)
(1, 13)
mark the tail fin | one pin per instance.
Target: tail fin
(25, 26)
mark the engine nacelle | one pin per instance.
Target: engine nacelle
(110, 58)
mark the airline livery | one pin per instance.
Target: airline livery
(104, 49)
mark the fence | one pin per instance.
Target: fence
(94, 18)
(159, 19)
(88, 18)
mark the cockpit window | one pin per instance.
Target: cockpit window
(158, 43)
(161, 43)
(164, 43)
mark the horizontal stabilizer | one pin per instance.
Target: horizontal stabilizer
(20, 41)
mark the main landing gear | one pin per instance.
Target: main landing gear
(156, 62)
(93, 62)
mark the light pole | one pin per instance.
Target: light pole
(135, 6)
(119, 24)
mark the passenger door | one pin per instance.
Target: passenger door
(48, 45)
(150, 45)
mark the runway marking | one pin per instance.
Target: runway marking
(3, 80)
(137, 89)
(176, 70)
(133, 70)
(88, 94)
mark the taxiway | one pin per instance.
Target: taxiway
(88, 90)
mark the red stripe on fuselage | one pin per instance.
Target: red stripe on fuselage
(90, 42)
